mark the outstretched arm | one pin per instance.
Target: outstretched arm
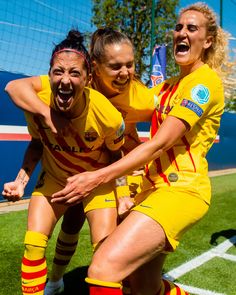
(82, 184)
(14, 190)
(23, 93)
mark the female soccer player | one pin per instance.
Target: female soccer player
(96, 135)
(176, 189)
(113, 74)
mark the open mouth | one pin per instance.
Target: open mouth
(64, 98)
(182, 48)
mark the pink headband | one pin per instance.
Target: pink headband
(75, 51)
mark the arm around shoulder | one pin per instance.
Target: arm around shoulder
(23, 92)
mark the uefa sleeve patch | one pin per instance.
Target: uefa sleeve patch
(200, 94)
(192, 106)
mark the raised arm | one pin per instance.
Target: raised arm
(23, 92)
(14, 190)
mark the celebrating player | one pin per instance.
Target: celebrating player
(95, 136)
(176, 189)
(113, 74)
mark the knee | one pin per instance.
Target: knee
(35, 244)
(99, 269)
(105, 268)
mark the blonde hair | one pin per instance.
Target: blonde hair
(216, 55)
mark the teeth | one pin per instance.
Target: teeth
(121, 83)
(66, 92)
(183, 43)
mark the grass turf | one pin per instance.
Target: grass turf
(216, 275)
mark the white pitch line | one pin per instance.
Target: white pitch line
(201, 259)
(228, 257)
(198, 291)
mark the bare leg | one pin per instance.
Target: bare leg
(102, 223)
(43, 215)
(136, 241)
(147, 278)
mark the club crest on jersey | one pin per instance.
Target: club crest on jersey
(200, 94)
(90, 135)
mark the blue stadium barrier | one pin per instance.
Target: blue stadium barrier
(12, 151)
(221, 155)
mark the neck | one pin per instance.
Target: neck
(78, 107)
(107, 92)
(188, 69)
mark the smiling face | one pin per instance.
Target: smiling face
(190, 40)
(68, 78)
(117, 69)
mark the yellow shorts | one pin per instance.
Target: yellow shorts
(134, 183)
(175, 209)
(101, 197)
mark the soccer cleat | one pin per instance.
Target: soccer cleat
(54, 288)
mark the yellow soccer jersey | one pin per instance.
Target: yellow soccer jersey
(197, 99)
(136, 104)
(99, 127)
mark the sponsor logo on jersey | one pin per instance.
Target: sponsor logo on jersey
(192, 106)
(200, 94)
(67, 148)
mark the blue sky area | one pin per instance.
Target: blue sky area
(30, 28)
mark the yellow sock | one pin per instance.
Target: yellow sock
(34, 267)
(65, 248)
(97, 287)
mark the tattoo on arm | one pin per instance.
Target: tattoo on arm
(23, 176)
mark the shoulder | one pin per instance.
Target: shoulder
(45, 93)
(204, 75)
(204, 83)
(99, 103)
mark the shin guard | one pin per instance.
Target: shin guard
(34, 267)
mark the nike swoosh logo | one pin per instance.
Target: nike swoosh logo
(27, 282)
(145, 206)
(108, 200)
